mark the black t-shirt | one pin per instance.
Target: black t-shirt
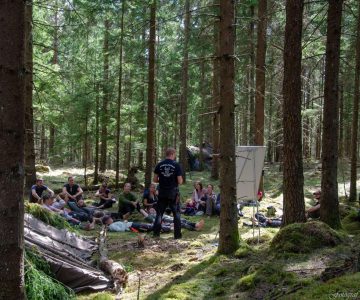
(72, 190)
(38, 190)
(168, 170)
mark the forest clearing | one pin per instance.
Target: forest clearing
(179, 149)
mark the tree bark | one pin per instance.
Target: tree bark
(293, 177)
(329, 209)
(12, 119)
(43, 143)
(97, 117)
(104, 112)
(252, 78)
(229, 233)
(260, 73)
(151, 98)
(355, 118)
(184, 91)
(118, 116)
(30, 172)
(215, 102)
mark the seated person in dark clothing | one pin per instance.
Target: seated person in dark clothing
(263, 221)
(210, 200)
(106, 199)
(72, 191)
(121, 226)
(48, 204)
(150, 217)
(314, 212)
(38, 189)
(127, 202)
(150, 197)
(217, 205)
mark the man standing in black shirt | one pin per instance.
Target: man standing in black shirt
(168, 174)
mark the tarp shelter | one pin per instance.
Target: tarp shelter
(67, 254)
(249, 165)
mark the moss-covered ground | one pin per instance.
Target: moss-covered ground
(314, 263)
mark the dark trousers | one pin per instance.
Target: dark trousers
(162, 204)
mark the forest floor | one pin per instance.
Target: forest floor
(191, 269)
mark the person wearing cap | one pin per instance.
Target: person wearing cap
(314, 212)
(37, 190)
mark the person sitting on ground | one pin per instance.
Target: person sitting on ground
(314, 212)
(150, 197)
(121, 226)
(262, 221)
(190, 208)
(197, 196)
(217, 205)
(37, 190)
(210, 199)
(47, 202)
(151, 215)
(72, 191)
(127, 202)
(106, 199)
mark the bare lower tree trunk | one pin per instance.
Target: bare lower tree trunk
(43, 143)
(252, 77)
(104, 112)
(355, 119)
(151, 98)
(12, 112)
(215, 103)
(293, 181)
(97, 117)
(260, 73)
(184, 92)
(229, 233)
(117, 163)
(30, 172)
(329, 209)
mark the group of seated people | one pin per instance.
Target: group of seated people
(203, 201)
(70, 205)
(77, 211)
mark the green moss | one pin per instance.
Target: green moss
(96, 296)
(305, 237)
(248, 281)
(345, 287)
(244, 251)
(351, 223)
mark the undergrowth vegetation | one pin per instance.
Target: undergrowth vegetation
(47, 217)
(40, 283)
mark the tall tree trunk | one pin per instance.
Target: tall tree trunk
(184, 91)
(151, 98)
(51, 140)
(260, 73)
(201, 118)
(104, 112)
(355, 118)
(43, 143)
(252, 77)
(341, 120)
(30, 172)
(118, 116)
(329, 209)
(293, 178)
(97, 117)
(12, 115)
(215, 102)
(229, 233)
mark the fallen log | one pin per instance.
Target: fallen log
(116, 270)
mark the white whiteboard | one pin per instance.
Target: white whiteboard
(249, 165)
